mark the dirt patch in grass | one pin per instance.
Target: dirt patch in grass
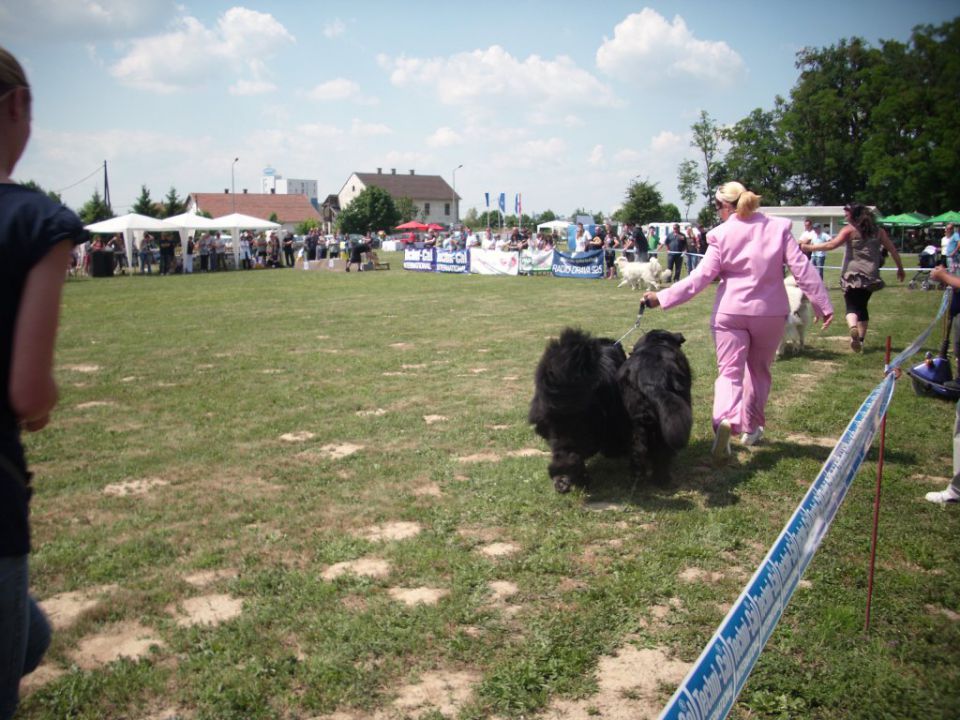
(134, 487)
(418, 596)
(438, 691)
(801, 439)
(81, 368)
(43, 675)
(629, 687)
(414, 366)
(930, 480)
(297, 436)
(365, 567)
(428, 490)
(95, 404)
(127, 639)
(391, 531)
(206, 610)
(945, 612)
(528, 452)
(203, 578)
(499, 549)
(63, 610)
(431, 419)
(479, 457)
(333, 451)
(498, 427)
(371, 413)
(401, 346)
(481, 534)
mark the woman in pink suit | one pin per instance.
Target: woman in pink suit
(746, 252)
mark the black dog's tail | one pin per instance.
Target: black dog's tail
(676, 420)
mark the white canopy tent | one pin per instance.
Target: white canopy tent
(238, 221)
(127, 224)
(559, 225)
(186, 222)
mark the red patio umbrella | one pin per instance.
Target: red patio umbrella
(434, 226)
(413, 225)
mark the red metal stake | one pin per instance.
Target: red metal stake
(876, 506)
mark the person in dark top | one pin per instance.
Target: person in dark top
(676, 243)
(288, 249)
(37, 236)
(641, 247)
(358, 248)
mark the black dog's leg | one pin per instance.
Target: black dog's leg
(660, 465)
(567, 469)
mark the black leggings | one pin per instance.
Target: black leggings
(856, 300)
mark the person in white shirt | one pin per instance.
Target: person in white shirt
(809, 234)
(819, 257)
(582, 238)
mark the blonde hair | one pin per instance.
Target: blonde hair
(743, 200)
(11, 72)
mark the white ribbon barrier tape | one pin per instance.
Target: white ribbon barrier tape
(914, 347)
(719, 674)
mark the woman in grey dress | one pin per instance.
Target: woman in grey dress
(860, 277)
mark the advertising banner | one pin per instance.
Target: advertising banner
(494, 262)
(423, 260)
(452, 261)
(534, 262)
(582, 265)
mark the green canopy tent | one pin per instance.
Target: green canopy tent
(951, 216)
(904, 221)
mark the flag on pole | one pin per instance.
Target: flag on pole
(503, 202)
(487, 196)
(518, 205)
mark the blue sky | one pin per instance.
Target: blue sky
(564, 102)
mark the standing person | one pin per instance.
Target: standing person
(288, 249)
(188, 256)
(746, 252)
(205, 252)
(37, 236)
(676, 243)
(640, 245)
(819, 257)
(951, 253)
(862, 239)
(146, 254)
(808, 235)
(581, 239)
(693, 246)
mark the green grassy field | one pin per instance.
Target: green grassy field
(232, 442)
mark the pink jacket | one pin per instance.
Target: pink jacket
(748, 257)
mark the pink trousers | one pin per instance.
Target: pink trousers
(746, 348)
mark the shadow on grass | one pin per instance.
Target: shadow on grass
(612, 481)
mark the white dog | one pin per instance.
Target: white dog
(798, 320)
(638, 275)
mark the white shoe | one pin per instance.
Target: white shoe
(943, 497)
(752, 438)
(721, 442)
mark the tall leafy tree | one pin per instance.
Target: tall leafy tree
(144, 205)
(642, 203)
(173, 205)
(407, 209)
(94, 210)
(55, 196)
(370, 211)
(706, 138)
(758, 155)
(688, 180)
(670, 213)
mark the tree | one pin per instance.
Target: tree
(546, 216)
(306, 226)
(370, 211)
(759, 154)
(708, 216)
(172, 205)
(670, 213)
(471, 219)
(144, 205)
(706, 138)
(55, 196)
(273, 218)
(94, 210)
(642, 204)
(688, 177)
(407, 209)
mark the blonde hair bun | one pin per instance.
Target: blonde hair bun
(734, 193)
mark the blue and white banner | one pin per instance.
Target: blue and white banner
(580, 265)
(916, 344)
(719, 674)
(421, 260)
(452, 261)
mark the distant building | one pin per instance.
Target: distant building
(272, 182)
(329, 209)
(290, 210)
(434, 199)
(830, 216)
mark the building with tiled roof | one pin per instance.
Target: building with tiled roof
(291, 210)
(434, 199)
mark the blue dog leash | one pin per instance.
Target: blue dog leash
(643, 306)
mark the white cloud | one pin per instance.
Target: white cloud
(444, 137)
(493, 75)
(596, 155)
(191, 54)
(650, 51)
(358, 128)
(334, 28)
(667, 141)
(339, 89)
(251, 87)
(535, 153)
(51, 20)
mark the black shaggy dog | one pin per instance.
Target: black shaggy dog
(576, 404)
(655, 386)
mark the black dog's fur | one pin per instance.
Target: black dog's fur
(576, 404)
(655, 384)
(590, 398)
